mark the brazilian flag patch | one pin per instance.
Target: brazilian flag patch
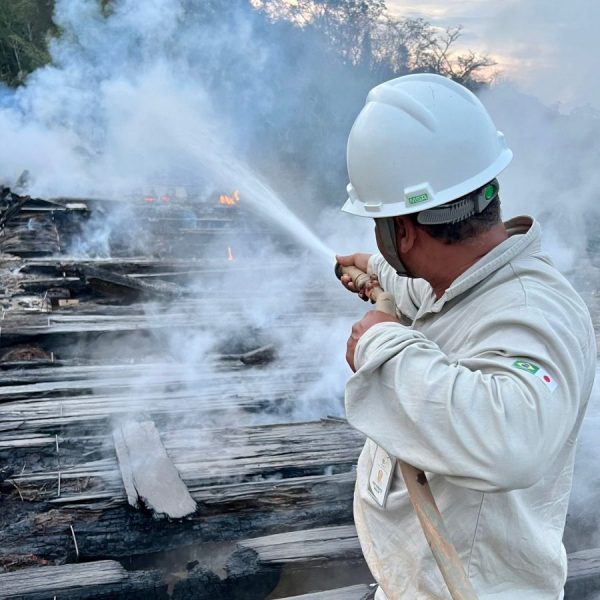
(526, 366)
(537, 371)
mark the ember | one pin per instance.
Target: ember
(230, 200)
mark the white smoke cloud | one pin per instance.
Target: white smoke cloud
(548, 47)
(553, 174)
(553, 46)
(127, 104)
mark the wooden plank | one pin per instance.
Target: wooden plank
(60, 578)
(118, 283)
(126, 473)
(353, 592)
(329, 543)
(27, 441)
(146, 467)
(584, 564)
(10, 425)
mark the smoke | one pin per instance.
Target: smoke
(172, 93)
(553, 174)
(551, 47)
(583, 509)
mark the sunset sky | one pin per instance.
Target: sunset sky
(549, 47)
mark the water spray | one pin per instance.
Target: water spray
(422, 499)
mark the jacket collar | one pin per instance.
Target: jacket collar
(524, 236)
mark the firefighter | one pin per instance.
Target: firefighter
(483, 378)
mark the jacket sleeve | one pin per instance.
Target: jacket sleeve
(408, 292)
(479, 421)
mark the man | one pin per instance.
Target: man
(484, 379)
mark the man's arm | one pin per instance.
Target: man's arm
(481, 422)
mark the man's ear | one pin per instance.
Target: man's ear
(406, 233)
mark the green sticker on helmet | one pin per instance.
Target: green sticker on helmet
(418, 199)
(489, 192)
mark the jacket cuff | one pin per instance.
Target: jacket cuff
(374, 264)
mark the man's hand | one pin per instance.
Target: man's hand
(360, 261)
(371, 318)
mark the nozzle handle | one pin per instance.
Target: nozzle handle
(359, 278)
(384, 301)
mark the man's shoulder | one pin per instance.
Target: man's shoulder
(530, 289)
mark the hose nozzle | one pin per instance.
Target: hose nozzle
(383, 301)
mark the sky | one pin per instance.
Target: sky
(549, 47)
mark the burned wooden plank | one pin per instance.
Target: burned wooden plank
(149, 475)
(10, 205)
(353, 592)
(584, 564)
(115, 283)
(328, 543)
(124, 462)
(60, 579)
(260, 356)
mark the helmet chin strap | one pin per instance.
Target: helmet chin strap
(386, 229)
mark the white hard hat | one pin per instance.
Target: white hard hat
(420, 141)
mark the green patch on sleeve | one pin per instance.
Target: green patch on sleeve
(526, 366)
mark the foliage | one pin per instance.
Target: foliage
(361, 31)
(25, 26)
(365, 35)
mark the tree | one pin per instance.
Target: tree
(25, 26)
(436, 56)
(365, 35)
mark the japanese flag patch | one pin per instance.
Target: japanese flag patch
(537, 371)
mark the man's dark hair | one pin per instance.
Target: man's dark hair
(452, 233)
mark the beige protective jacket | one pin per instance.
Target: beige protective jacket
(485, 390)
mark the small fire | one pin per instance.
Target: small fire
(229, 253)
(230, 200)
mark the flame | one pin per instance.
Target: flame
(230, 200)
(229, 253)
(149, 199)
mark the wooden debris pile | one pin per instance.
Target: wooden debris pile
(113, 448)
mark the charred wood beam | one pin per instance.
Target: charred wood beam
(108, 580)
(224, 513)
(583, 580)
(362, 591)
(118, 284)
(307, 546)
(10, 205)
(61, 579)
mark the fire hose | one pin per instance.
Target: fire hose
(422, 499)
